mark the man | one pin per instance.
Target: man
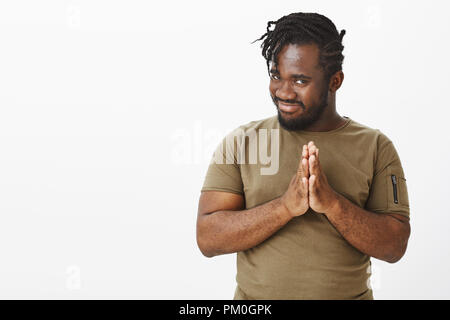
(308, 229)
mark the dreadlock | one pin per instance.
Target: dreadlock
(305, 28)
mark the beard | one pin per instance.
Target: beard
(308, 117)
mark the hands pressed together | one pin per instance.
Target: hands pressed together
(309, 186)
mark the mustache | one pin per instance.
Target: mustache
(294, 102)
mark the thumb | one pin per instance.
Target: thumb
(311, 182)
(306, 187)
(305, 183)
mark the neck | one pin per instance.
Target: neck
(329, 119)
(330, 124)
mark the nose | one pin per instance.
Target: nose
(285, 92)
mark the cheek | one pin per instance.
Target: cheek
(311, 95)
(272, 88)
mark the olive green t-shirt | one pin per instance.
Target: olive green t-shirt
(307, 258)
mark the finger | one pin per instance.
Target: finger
(316, 155)
(310, 144)
(305, 151)
(312, 149)
(317, 162)
(300, 168)
(312, 164)
(311, 184)
(305, 186)
(305, 168)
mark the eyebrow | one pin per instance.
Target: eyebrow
(295, 76)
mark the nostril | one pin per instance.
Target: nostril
(285, 95)
(286, 92)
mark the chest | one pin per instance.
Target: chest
(348, 168)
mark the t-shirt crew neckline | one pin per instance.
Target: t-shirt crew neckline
(321, 133)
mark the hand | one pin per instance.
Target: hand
(295, 199)
(322, 198)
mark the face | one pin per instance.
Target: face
(297, 86)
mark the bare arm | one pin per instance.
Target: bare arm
(381, 235)
(226, 231)
(223, 226)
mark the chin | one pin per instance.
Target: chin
(292, 117)
(293, 122)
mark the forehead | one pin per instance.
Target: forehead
(294, 58)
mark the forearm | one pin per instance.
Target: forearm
(228, 231)
(375, 234)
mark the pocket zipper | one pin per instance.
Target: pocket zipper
(394, 185)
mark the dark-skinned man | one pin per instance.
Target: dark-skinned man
(306, 229)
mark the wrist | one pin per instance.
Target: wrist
(335, 206)
(282, 209)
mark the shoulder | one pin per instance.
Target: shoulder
(254, 126)
(371, 135)
(378, 144)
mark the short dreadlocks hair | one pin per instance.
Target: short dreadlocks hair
(305, 28)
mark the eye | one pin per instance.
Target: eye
(274, 76)
(301, 81)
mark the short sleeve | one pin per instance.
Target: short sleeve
(388, 191)
(224, 173)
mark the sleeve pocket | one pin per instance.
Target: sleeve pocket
(403, 192)
(388, 192)
(397, 192)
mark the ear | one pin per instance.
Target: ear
(336, 81)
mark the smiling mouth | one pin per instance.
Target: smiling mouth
(288, 108)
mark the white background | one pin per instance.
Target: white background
(110, 111)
